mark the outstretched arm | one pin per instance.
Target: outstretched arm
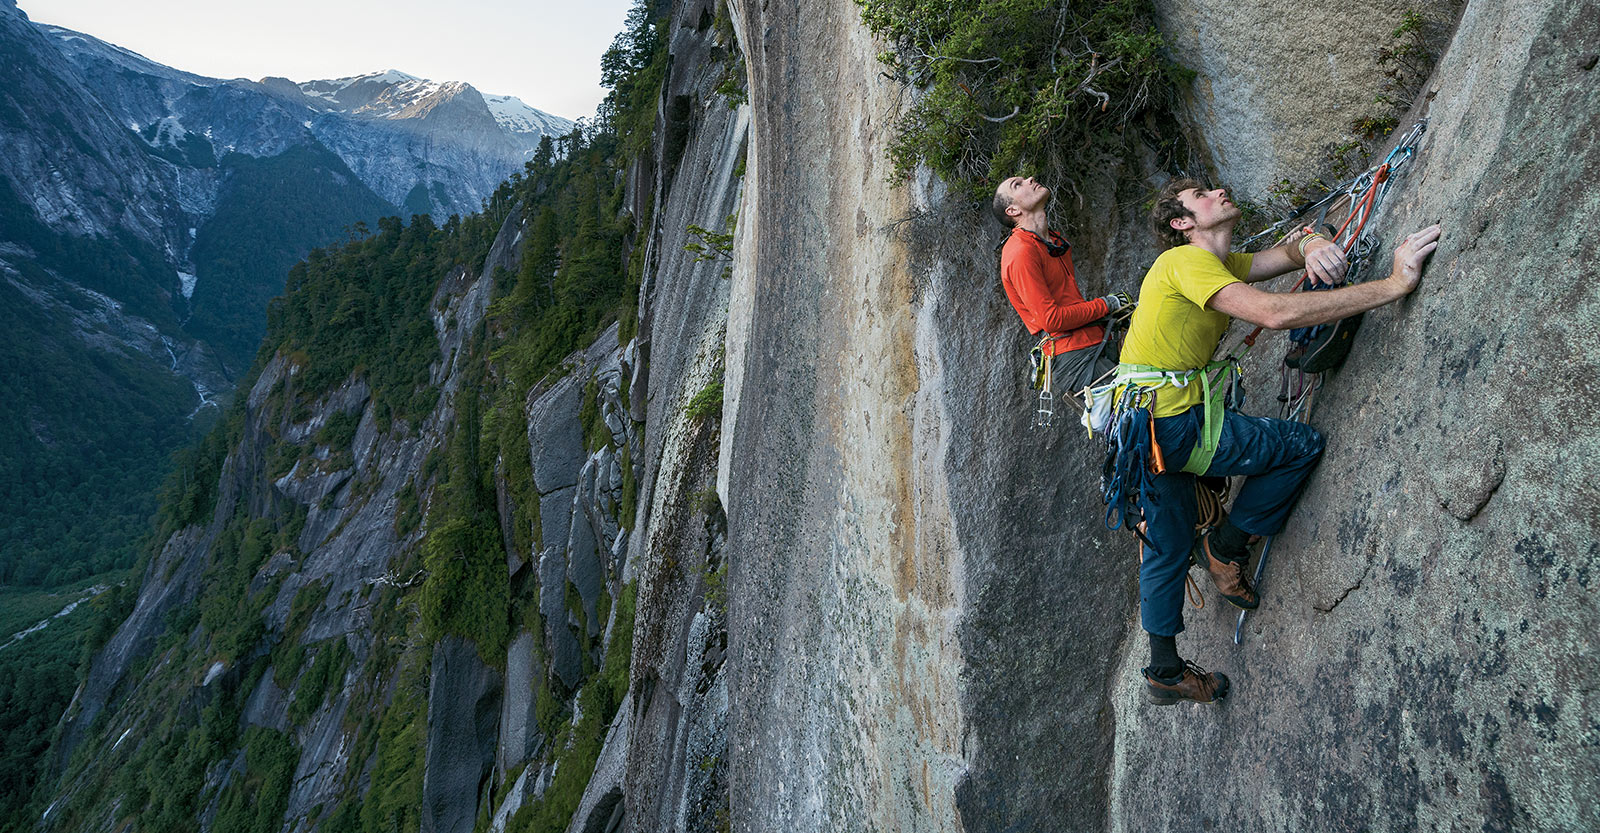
(1283, 311)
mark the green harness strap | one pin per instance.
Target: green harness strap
(1213, 385)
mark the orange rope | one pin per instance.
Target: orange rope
(1362, 208)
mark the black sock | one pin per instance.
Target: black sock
(1229, 542)
(1164, 660)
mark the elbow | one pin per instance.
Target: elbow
(1278, 321)
(1280, 314)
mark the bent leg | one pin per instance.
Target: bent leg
(1276, 455)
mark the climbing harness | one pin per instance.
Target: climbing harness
(1220, 389)
(1040, 360)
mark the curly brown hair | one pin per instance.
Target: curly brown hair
(1168, 208)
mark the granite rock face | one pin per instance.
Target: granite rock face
(1280, 95)
(463, 704)
(1419, 658)
(672, 760)
(930, 628)
(846, 574)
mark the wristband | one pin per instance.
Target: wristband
(1313, 235)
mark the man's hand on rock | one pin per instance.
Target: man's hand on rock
(1411, 253)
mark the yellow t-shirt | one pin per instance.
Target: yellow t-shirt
(1171, 328)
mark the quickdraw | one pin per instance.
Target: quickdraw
(1040, 356)
(1363, 193)
(1128, 444)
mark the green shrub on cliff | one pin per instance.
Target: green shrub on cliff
(393, 804)
(1016, 85)
(333, 659)
(255, 800)
(580, 743)
(705, 404)
(466, 591)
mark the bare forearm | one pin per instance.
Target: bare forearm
(1306, 309)
(1284, 311)
(1270, 263)
(1324, 262)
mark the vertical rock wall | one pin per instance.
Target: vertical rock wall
(1426, 634)
(1279, 91)
(846, 577)
(929, 627)
(676, 756)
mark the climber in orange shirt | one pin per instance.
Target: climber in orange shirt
(1036, 271)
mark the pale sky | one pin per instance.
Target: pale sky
(545, 52)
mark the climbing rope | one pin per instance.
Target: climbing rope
(1393, 164)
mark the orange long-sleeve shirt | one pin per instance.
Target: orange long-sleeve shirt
(1045, 293)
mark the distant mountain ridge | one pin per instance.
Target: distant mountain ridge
(393, 94)
(147, 217)
(473, 139)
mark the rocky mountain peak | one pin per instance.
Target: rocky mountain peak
(355, 92)
(395, 95)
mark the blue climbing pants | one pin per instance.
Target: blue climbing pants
(1276, 455)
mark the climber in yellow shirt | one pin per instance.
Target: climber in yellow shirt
(1188, 297)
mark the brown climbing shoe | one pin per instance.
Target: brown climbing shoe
(1228, 576)
(1193, 684)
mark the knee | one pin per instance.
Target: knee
(1313, 443)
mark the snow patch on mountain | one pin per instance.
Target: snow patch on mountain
(356, 90)
(168, 132)
(403, 100)
(393, 94)
(514, 115)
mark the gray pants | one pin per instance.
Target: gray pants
(1073, 370)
